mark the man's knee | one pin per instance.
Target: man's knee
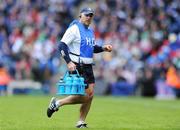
(90, 92)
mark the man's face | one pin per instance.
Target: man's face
(86, 19)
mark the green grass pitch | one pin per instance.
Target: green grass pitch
(107, 113)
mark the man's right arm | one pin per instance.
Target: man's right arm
(66, 40)
(64, 51)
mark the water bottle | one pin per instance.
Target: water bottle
(75, 85)
(82, 86)
(61, 86)
(68, 81)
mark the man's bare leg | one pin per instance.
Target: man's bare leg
(85, 107)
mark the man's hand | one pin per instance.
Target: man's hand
(107, 48)
(71, 66)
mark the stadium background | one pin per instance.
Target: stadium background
(145, 35)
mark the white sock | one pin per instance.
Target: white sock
(80, 122)
(58, 103)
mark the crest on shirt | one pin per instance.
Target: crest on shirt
(90, 41)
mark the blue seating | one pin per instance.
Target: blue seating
(122, 89)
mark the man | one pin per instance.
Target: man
(77, 47)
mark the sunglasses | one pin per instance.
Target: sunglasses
(88, 15)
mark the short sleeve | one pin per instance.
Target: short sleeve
(70, 34)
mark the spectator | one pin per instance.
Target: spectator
(4, 79)
(173, 79)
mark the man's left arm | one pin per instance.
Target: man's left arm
(98, 49)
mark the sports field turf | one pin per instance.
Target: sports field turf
(107, 113)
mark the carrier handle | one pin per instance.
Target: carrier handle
(68, 73)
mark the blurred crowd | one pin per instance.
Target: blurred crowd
(145, 35)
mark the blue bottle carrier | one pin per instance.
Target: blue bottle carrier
(71, 84)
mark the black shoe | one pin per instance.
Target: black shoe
(52, 107)
(82, 126)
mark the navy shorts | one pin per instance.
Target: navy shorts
(86, 71)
